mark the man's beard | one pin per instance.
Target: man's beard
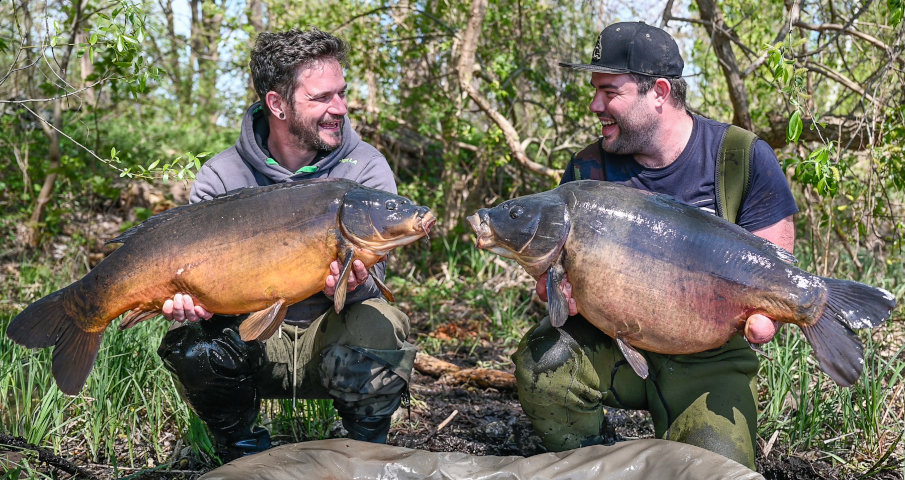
(307, 136)
(636, 133)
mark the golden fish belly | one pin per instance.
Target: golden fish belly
(239, 273)
(659, 306)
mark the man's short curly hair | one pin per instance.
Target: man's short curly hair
(277, 58)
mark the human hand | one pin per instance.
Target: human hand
(760, 329)
(357, 276)
(541, 289)
(181, 308)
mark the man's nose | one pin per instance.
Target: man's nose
(597, 104)
(338, 106)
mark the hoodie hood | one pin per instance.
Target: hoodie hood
(253, 137)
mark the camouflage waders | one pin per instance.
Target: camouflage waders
(567, 375)
(359, 358)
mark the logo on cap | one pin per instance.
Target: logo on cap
(597, 48)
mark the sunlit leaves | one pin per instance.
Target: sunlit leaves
(896, 11)
(793, 132)
(819, 171)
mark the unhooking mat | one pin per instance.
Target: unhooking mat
(349, 459)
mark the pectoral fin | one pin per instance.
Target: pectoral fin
(633, 357)
(136, 316)
(342, 285)
(382, 286)
(262, 324)
(557, 305)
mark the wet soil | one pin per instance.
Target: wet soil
(491, 422)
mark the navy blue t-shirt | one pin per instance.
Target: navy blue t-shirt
(690, 179)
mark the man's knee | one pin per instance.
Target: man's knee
(546, 350)
(209, 353)
(364, 381)
(375, 324)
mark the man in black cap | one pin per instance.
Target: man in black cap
(649, 140)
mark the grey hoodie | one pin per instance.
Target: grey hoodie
(248, 164)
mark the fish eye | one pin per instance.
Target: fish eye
(515, 212)
(391, 205)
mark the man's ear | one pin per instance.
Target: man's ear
(662, 90)
(276, 104)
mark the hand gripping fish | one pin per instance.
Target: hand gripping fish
(256, 250)
(658, 275)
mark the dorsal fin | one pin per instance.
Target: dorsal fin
(239, 193)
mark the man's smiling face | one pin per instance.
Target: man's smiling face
(627, 122)
(319, 106)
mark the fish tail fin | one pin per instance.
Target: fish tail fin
(850, 305)
(46, 323)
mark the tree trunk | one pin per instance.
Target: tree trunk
(722, 47)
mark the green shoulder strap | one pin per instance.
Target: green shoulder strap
(733, 169)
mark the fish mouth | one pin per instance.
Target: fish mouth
(420, 226)
(485, 238)
(483, 233)
(426, 222)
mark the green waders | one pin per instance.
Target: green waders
(566, 376)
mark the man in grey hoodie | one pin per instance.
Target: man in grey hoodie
(359, 358)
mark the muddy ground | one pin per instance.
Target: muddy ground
(445, 417)
(491, 422)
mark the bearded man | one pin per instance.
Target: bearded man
(649, 140)
(359, 358)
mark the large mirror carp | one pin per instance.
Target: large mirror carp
(256, 250)
(662, 276)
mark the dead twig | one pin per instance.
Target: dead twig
(8, 442)
(448, 419)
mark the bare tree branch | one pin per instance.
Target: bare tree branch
(465, 70)
(830, 73)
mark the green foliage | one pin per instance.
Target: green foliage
(896, 11)
(128, 402)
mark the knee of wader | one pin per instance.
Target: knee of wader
(365, 381)
(544, 350)
(375, 324)
(201, 354)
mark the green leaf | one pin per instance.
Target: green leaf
(793, 132)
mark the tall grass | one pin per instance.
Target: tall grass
(858, 428)
(121, 414)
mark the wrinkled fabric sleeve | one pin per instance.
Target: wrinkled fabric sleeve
(769, 198)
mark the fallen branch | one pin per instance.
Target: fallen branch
(481, 377)
(19, 444)
(451, 374)
(433, 366)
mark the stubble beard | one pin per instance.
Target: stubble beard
(636, 133)
(308, 136)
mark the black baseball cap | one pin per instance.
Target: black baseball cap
(634, 47)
